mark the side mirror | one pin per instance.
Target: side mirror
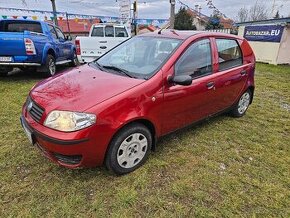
(183, 80)
(68, 38)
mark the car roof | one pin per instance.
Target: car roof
(184, 34)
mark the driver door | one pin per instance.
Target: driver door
(184, 105)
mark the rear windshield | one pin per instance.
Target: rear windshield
(20, 26)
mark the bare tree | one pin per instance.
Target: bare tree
(243, 15)
(258, 12)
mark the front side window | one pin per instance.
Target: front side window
(229, 53)
(140, 56)
(196, 61)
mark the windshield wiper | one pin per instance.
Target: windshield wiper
(123, 71)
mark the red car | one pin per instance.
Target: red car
(113, 110)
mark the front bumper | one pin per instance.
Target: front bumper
(71, 150)
(19, 64)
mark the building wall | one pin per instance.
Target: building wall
(284, 51)
(266, 52)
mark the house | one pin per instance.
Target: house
(78, 27)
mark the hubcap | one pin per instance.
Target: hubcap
(132, 150)
(244, 103)
(51, 66)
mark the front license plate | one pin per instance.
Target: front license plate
(5, 59)
(27, 132)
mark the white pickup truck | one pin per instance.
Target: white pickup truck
(102, 38)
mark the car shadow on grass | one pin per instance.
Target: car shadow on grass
(19, 75)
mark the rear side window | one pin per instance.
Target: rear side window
(109, 31)
(52, 31)
(20, 26)
(120, 32)
(196, 61)
(98, 32)
(229, 53)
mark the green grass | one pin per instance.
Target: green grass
(223, 167)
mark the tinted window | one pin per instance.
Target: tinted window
(20, 26)
(60, 33)
(52, 31)
(230, 54)
(98, 32)
(109, 31)
(196, 61)
(120, 32)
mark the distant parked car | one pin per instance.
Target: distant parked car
(102, 38)
(113, 110)
(29, 44)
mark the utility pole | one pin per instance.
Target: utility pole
(172, 13)
(54, 12)
(135, 14)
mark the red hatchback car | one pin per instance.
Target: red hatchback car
(112, 111)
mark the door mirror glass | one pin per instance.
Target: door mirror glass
(183, 80)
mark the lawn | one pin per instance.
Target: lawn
(224, 167)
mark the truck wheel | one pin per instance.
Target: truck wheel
(50, 66)
(129, 149)
(74, 62)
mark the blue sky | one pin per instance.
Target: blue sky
(147, 8)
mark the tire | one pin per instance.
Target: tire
(242, 105)
(50, 66)
(129, 149)
(74, 62)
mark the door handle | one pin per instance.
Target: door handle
(210, 85)
(244, 72)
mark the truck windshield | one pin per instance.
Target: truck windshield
(140, 56)
(20, 26)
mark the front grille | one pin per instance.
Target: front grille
(68, 159)
(34, 110)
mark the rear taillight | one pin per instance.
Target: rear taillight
(78, 47)
(29, 47)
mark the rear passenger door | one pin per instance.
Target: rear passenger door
(231, 77)
(57, 43)
(64, 44)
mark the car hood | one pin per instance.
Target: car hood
(80, 89)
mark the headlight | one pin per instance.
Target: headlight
(67, 121)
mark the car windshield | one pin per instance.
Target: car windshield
(139, 57)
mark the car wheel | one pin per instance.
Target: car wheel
(50, 66)
(129, 149)
(74, 62)
(242, 106)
